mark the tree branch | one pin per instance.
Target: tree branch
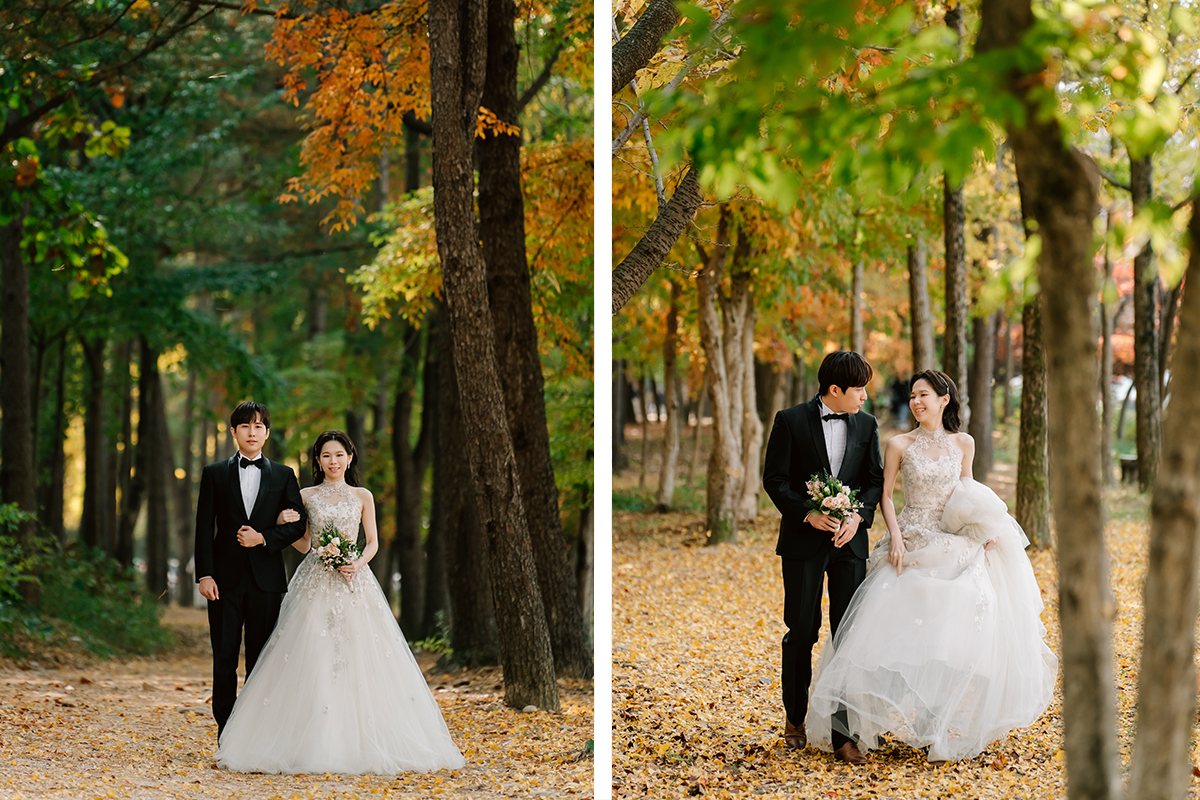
(1113, 180)
(541, 80)
(417, 125)
(634, 50)
(648, 254)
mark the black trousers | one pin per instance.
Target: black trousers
(803, 584)
(241, 605)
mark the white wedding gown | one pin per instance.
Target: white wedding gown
(949, 654)
(336, 688)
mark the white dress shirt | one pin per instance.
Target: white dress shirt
(250, 478)
(835, 438)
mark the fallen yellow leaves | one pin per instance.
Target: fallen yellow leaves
(143, 728)
(696, 694)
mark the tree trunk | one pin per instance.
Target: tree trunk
(457, 50)
(185, 522)
(704, 384)
(154, 457)
(130, 483)
(16, 415)
(510, 297)
(644, 395)
(437, 593)
(1107, 323)
(1059, 188)
(670, 458)
(980, 425)
(94, 524)
(954, 346)
(635, 49)
(752, 427)
(857, 342)
(1166, 704)
(356, 429)
(725, 459)
(618, 426)
(455, 515)
(1146, 376)
(1168, 308)
(53, 521)
(409, 463)
(585, 557)
(647, 255)
(921, 319)
(1009, 370)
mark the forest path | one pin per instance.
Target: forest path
(696, 693)
(143, 728)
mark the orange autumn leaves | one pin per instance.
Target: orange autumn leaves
(357, 75)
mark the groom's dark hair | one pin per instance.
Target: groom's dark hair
(843, 369)
(247, 412)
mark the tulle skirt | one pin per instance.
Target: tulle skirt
(949, 654)
(336, 689)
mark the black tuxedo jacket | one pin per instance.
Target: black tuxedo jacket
(220, 512)
(796, 452)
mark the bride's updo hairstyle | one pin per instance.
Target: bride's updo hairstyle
(942, 385)
(353, 474)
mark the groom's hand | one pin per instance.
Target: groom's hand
(847, 529)
(822, 522)
(248, 537)
(208, 589)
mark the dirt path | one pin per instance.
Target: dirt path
(696, 693)
(143, 729)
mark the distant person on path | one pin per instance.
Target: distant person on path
(239, 549)
(942, 645)
(828, 434)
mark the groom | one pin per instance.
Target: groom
(828, 434)
(239, 549)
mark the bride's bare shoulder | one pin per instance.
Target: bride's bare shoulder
(901, 441)
(363, 494)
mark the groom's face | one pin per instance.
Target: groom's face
(849, 401)
(251, 436)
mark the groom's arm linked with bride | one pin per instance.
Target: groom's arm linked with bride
(829, 434)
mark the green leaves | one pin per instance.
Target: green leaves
(111, 140)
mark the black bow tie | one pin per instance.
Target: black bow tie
(835, 416)
(245, 462)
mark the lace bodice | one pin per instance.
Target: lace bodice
(334, 504)
(928, 482)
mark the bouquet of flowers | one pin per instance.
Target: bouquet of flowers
(334, 549)
(828, 495)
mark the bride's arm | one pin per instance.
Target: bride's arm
(368, 520)
(891, 467)
(967, 445)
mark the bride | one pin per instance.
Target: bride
(336, 688)
(942, 643)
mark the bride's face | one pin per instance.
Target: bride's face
(334, 460)
(925, 403)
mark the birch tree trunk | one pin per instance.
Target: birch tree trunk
(724, 461)
(1167, 682)
(670, 457)
(752, 427)
(857, 342)
(921, 319)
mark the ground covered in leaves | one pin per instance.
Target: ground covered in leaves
(696, 692)
(73, 726)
